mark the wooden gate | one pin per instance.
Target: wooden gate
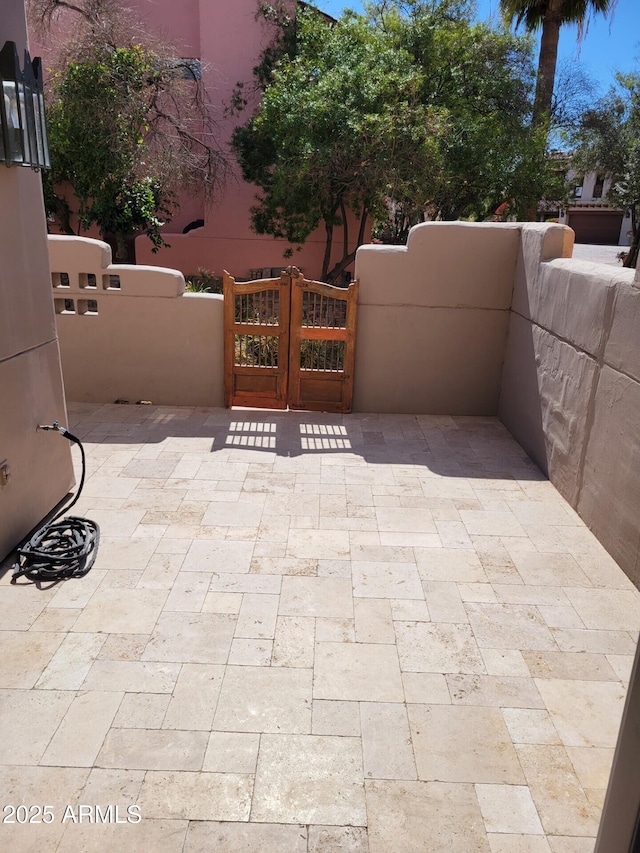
(289, 342)
(256, 342)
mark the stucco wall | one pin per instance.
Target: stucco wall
(30, 378)
(433, 318)
(571, 384)
(148, 339)
(432, 325)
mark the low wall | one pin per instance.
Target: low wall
(571, 384)
(432, 324)
(433, 319)
(131, 332)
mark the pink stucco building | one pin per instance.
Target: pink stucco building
(227, 38)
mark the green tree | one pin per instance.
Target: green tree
(97, 116)
(128, 125)
(550, 16)
(608, 140)
(481, 80)
(410, 108)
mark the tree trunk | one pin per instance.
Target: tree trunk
(327, 251)
(345, 230)
(123, 247)
(63, 215)
(547, 64)
(122, 254)
(349, 258)
(632, 255)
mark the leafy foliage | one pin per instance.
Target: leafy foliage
(480, 82)
(550, 16)
(126, 128)
(608, 140)
(204, 281)
(97, 119)
(410, 108)
(533, 13)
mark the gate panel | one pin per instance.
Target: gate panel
(322, 345)
(256, 342)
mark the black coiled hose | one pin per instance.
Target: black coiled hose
(64, 547)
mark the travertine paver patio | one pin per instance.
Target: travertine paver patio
(317, 633)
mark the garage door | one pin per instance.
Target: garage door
(601, 228)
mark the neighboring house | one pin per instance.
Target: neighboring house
(592, 217)
(587, 211)
(226, 39)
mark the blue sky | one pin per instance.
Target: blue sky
(609, 45)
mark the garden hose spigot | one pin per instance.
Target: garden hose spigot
(57, 428)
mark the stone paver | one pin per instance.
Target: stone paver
(311, 633)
